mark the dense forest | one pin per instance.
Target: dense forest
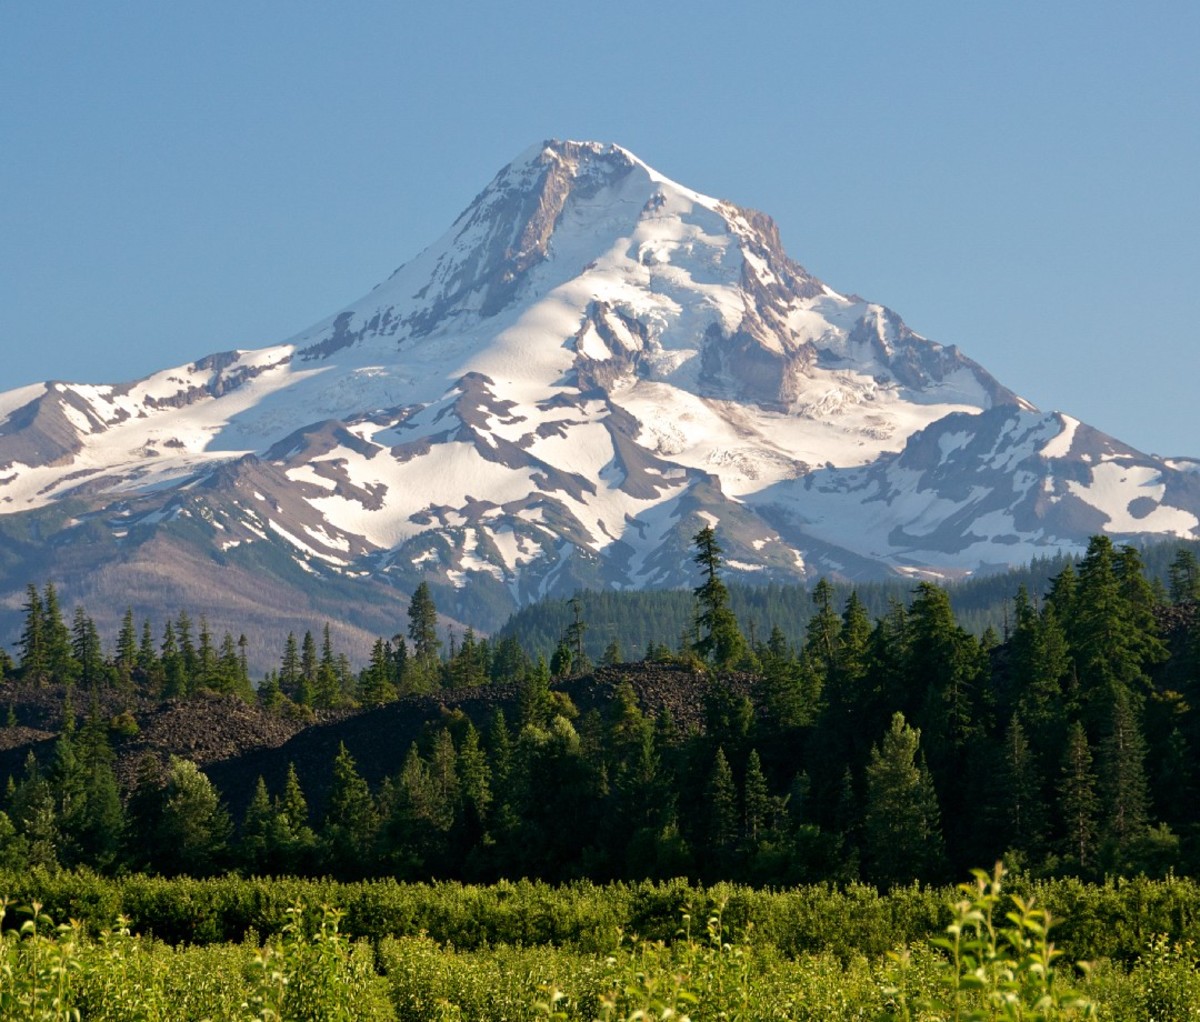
(885, 747)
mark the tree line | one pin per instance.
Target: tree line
(892, 748)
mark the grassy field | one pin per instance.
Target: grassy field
(236, 949)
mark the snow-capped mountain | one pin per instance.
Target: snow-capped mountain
(593, 362)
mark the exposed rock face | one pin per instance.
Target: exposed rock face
(592, 363)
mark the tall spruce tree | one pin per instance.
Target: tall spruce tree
(351, 821)
(423, 666)
(1122, 756)
(1078, 805)
(1183, 578)
(720, 639)
(902, 833)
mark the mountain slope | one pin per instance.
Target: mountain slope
(591, 364)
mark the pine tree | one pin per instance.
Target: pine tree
(721, 798)
(560, 660)
(292, 843)
(66, 776)
(1123, 775)
(1184, 578)
(34, 658)
(756, 801)
(306, 685)
(61, 665)
(422, 631)
(350, 820)
(173, 665)
(1111, 631)
(823, 633)
(375, 684)
(35, 815)
(149, 667)
(720, 639)
(256, 830)
(1078, 804)
(127, 650)
(205, 676)
(1021, 786)
(901, 822)
(100, 824)
(86, 649)
(475, 788)
(189, 659)
(1039, 666)
(289, 667)
(327, 693)
(533, 695)
(573, 637)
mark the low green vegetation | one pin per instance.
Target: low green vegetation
(991, 955)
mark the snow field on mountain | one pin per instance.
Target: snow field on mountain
(1060, 446)
(1114, 489)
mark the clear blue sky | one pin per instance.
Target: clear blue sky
(1021, 179)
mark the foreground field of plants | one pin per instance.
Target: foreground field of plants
(76, 946)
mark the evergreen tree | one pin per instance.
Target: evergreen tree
(149, 667)
(1021, 786)
(189, 659)
(327, 693)
(1039, 666)
(756, 801)
(376, 685)
(573, 636)
(350, 820)
(86, 649)
(1123, 776)
(1078, 804)
(901, 823)
(823, 634)
(631, 764)
(721, 641)
(721, 799)
(34, 656)
(560, 661)
(475, 788)
(173, 664)
(99, 824)
(1111, 629)
(306, 685)
(67, 785)
(533, 695)
(35, 815)
(289, 667)
(256, 830)
(61, 665)
(127, 650)
(422, 632)
(1184, 578)
(291, 845)
(205, 674)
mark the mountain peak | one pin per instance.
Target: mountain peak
(593, 362)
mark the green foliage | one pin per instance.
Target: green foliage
(1000, 963)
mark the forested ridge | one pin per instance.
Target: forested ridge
(886, 747)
